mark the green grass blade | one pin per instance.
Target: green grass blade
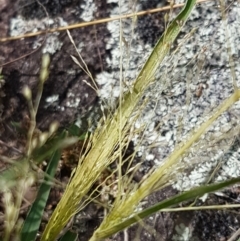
(33, 220)
(69, 236)
(161, 49)
(74, 130)
(186, 196)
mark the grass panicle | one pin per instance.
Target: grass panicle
(106, 139)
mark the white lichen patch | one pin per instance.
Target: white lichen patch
(91, 8)
(73, 101)
(51, 100)
(183, 233)
(20, 26)
(52, 45)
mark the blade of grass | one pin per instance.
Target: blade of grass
(186, 196)
(69, 236)
(33, 219)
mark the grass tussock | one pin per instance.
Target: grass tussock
(105, 146)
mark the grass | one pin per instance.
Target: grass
(105, 146)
